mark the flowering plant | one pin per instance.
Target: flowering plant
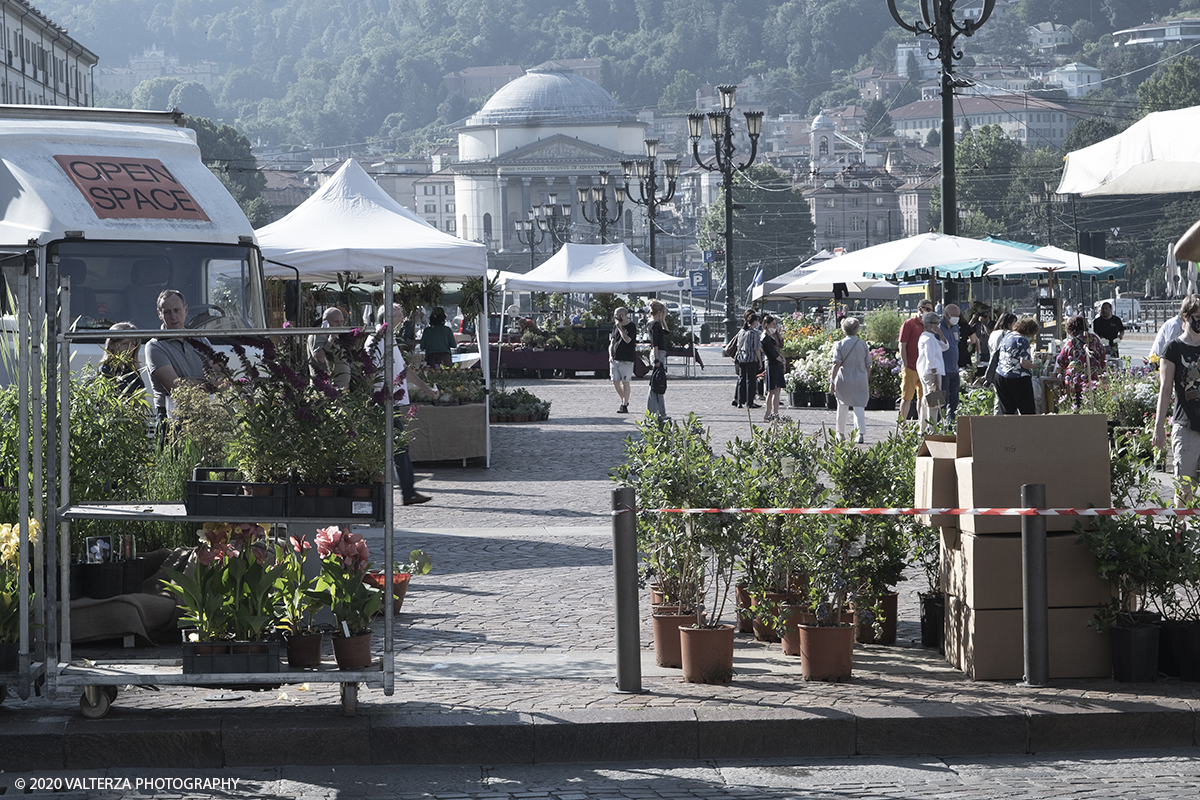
(296, 595)
(803, 378)
(883, 378)
(343, 564)
(10, 576)
(231, 593)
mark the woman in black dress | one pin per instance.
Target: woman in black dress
(772, 345)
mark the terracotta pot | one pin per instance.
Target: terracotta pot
(352, 652)
(400, 582)
(763, 631)
(790, 640)
(667, 652)
(866, 631)
(826, 653)
(745, 616)
(707, 654)
(304, 651)
(657, 598)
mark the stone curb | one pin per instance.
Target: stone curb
(382, 736)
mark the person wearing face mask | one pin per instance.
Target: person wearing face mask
(749, 354)
(772, 344)
(950, 378)
(1179, 375)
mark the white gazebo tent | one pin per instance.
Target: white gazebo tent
(593, 268)
(350, 225)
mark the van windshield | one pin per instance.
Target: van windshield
(121, 281)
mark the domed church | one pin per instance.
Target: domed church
(551, 131)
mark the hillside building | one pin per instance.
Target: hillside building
(855, 208)
(155, 63)
(1029, 120)
(40, 64)
(1160, 33)
(1051, 37)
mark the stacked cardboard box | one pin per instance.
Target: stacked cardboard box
(981, 555)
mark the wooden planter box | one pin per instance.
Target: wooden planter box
(233, 499)
(226, 658)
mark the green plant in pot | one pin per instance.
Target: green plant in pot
(419, 563)
(772, 469)
(343, 563)
(296, 595)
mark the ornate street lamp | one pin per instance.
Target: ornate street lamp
(529, 234)
(551, 221)
(937, 22)
(647, 194)
(721, 129)
(598, 197)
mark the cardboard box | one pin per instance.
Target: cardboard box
(997, 455)
(935, 482)
(986, 571)
(948, 552)
(989, 644)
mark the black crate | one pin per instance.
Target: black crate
(230, 658)
(336, 501)
(226, 499)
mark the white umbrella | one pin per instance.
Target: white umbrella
(1064, 261)
(779, 281)
(822, 280)
(1158, 154)
(1191, 277)
(1172, 270)
(920, 254)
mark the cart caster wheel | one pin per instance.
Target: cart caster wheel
(97, 711)
(111, 692)
(349, 699)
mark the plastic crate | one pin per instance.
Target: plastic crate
(229, 499)
(336, 501)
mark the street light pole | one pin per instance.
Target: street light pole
(598, 196)
(721, 130)
(528, 234)
(938, 23)
(647, 194)
(550, 221)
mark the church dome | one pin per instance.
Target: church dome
(822, 121)
(546, 94)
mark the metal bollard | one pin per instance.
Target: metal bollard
(1035, 594)
(625, 577)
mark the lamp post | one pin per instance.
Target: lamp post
(598, 196)
(528, 234)
(721, 129)
(937, 22)
(550, 221)
(647, 194)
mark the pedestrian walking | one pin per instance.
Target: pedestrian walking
(848, 378)
(622, 353)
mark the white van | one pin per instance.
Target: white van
(1127, 308)
(121, 201)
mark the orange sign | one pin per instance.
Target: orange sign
(130, 188)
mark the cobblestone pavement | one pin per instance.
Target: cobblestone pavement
(1171, 775)
(558, 468)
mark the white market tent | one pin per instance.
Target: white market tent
(1158, 154)
(594, 268)
(352, 225)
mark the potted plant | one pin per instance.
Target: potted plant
(883, 379)
(296, 598)
(1137, 555)
(418, 564)
(343, 563)
(666, 467)
(10, 592)
(229, 601)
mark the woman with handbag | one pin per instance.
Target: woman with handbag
(655, 402)
(1014, 370)
(848, 379)
(931, 366)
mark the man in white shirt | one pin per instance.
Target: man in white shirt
(1170, 330)
(401, 378)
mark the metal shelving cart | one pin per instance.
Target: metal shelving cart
(100, 681)
(27, 290)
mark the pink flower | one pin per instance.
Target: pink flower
(300, 544)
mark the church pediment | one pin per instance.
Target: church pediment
(560, 150)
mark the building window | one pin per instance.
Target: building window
(831, 227)
(430, 189)
(856, 224)
(449, 188)
(854, 202)
(878, 201)
(449, 208)
(450, 226)
(431, 208)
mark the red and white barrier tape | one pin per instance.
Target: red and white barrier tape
(956, 512)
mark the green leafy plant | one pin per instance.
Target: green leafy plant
(343, 564)
(419, 563)
(296, 596)
(882, 326)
